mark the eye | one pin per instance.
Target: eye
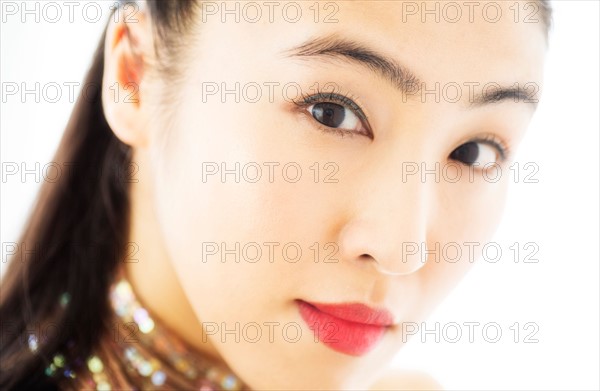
(336, 114)
(478, 153)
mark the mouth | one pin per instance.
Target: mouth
(349, 328)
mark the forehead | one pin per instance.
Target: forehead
(441, 41)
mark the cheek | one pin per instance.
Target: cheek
(462, 224)
(209, 212)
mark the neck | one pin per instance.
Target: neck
(151, 275)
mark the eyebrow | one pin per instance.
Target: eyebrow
(401, 77)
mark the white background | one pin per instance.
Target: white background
(559, 294)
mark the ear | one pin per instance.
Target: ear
(127, 49)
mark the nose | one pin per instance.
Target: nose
(388, 228)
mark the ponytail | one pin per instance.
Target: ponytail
(70, 248)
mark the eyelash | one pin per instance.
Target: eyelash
(347, 101)
(501, 146)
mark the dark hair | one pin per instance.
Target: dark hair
(76, 234)
(77, 214)
(546, 16)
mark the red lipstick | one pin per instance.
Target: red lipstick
(350, 328)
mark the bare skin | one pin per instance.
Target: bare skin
(369, 212)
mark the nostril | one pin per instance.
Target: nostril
(371, 260)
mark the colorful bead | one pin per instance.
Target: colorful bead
(130, 353)
(64, 300)
(50, 370)
(158, 378)
(69, 373)
(181, 365)
(229, 383)
(191, 373)
(123, 290)
(59, 360)
(170, 353)
(32, 342)
(205, 385)
(95, 364)
(145, 369)
(144, 321)
(103, 386)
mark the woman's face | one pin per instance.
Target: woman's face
(330, 164)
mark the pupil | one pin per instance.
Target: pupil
(329, 114)
(466, 153)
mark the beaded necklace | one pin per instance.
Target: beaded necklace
(141, 354)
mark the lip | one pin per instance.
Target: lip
(349, 328)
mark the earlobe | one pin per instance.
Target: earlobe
(124, 50)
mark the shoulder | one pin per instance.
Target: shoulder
(405, 380)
